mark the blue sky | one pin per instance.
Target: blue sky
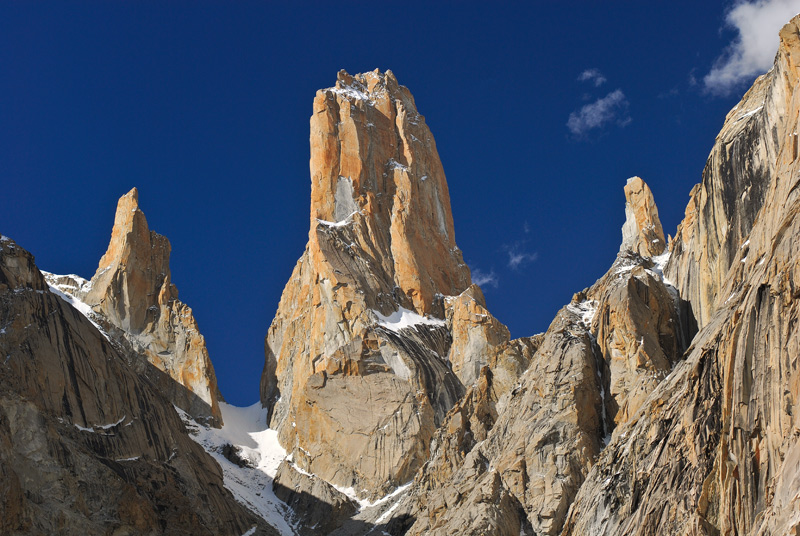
(541, 111)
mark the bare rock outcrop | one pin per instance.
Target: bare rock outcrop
(316, 507)
(517, 470)
(360, 357)
(714, 449)
(638, 330)
(88, 446)
(723, 207)
(133, 295)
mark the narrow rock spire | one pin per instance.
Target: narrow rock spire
(132, 289)
(642, 232)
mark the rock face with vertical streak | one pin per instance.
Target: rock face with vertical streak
(511, 456)
(133, 295)
(87, 445)
(715, 448)
(360, 359)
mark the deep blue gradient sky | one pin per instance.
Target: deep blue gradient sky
(204, 106)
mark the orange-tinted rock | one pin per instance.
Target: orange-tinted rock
(642, 232)
(133, 292)
(356, 370)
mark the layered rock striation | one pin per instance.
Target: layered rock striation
(715, 448)
(87, 445)
(511, 456)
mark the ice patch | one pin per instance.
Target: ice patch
(343, 203)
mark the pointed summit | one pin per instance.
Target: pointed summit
(374, 163)
(642, 232)
(132, 289)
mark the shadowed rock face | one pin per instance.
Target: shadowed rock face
(135, 300)
(87, 446)
(513, 453)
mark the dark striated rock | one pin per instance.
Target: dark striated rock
(316, 506)
(86, 445)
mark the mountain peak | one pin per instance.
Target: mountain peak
(132, 289)
(642, 232)
(374, 165)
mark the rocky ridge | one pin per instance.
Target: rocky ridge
(714, 449)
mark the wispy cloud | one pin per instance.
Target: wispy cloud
(753, 51)
(613, 108)
(592, 75)
(484, 279)
(518, 255)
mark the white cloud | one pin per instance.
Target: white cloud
(611, 108)
(483, 279)
(518, 256)
(753, 51)
(592, 75)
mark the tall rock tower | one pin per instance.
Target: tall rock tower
(357, 375)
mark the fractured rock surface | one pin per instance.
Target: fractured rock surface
(357, 374)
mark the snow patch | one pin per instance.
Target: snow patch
(351, 92)
(585, 310)
(405, 318)
(394, 164)
(748, 114)
(346, 221)
(246, 428)
(94, 428)
(81, 307)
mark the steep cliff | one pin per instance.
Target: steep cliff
(511, 457)
(715, 448)
(87, 446)
(133, 298)
(357, 375)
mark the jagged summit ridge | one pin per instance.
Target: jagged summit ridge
(374, 165)
(134, 297)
